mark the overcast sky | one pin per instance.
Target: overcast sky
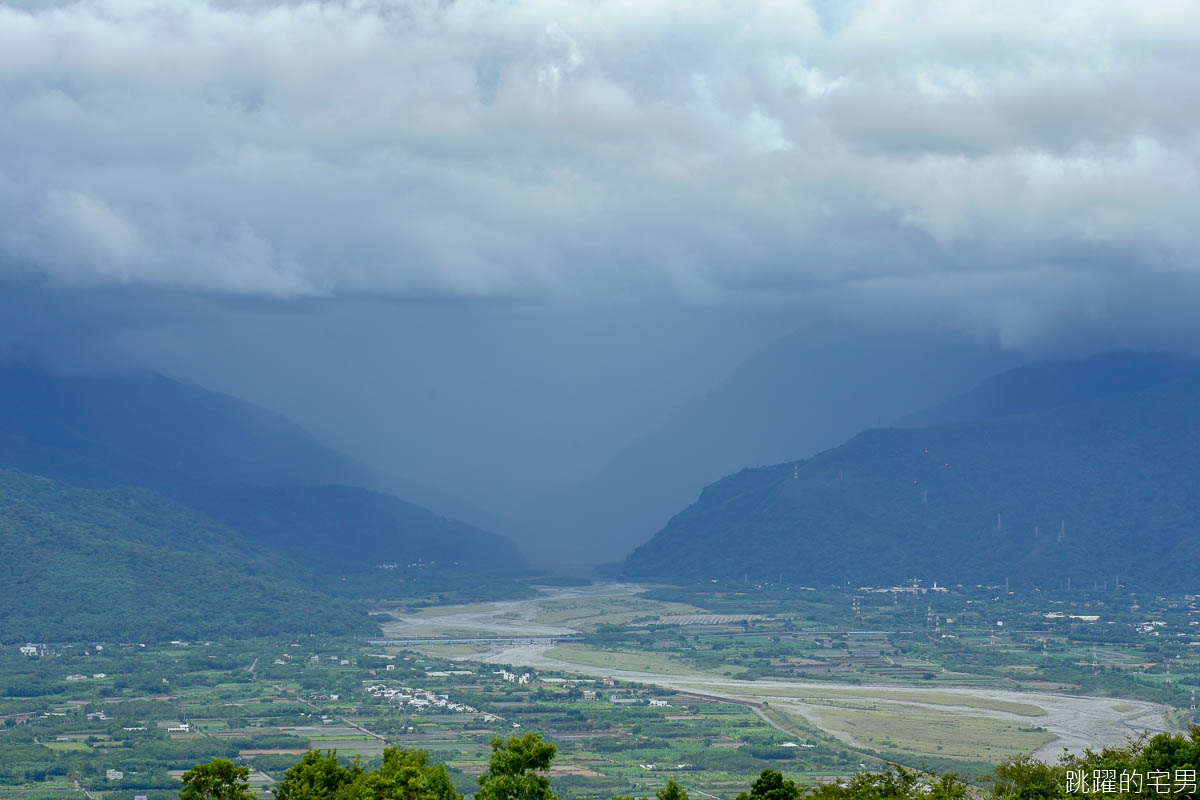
(999, 161)
(605, 204)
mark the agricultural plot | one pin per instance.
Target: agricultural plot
(326, 695)
(875, 685)
(708, 689)
(897, 733)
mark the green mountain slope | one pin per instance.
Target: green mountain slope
(128, 564)
(1114, 472)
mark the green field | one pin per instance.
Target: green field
(807, 686)
(894, 730)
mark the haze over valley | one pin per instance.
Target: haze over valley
(551, 401)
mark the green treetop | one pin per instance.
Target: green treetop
(511, 772)
(317, 776)
(219, 779)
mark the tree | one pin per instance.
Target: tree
(1025, 778)
(897, 783)
(219, 779)
(672, 791)
(404, 775)
(771, 786)
(317, 776)
(511, 771)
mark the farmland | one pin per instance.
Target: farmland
(639, 684)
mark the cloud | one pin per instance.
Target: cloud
(1001, 164)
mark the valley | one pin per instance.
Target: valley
(808, 625)
(633, 683)
(985, 722)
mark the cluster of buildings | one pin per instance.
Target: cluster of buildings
(916, 588)
(418, 699)
(513, 677)
(629, 701)
(314, 659)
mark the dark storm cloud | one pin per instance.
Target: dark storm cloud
(1001, 165)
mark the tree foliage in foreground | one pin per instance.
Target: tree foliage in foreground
(517, 771)
(512, 772)
(219, 779)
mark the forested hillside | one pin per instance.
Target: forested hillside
(128, 564)
(1097, 486)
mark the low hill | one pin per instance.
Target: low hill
(1086, 484)
(128, 564)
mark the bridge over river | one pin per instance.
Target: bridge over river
(492, 640)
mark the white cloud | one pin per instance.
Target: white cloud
(926, 154)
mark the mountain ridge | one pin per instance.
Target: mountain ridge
(144, 429)
(977, 501)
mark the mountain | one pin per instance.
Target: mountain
(251, 469)
(344, 528)
(1079, 469)
(148, 430)
(795, 397)
(128, 564)
(1046, 385)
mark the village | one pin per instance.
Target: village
(417, 700)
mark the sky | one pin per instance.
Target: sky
(485, 245)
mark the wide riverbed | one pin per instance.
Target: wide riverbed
(1077, 722)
